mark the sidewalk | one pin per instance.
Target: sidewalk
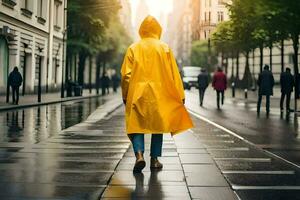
(73, 164)
(253, 97)
(94, 159)
(47, 98)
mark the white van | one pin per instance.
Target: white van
(190, 76)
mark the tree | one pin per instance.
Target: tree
(223, 41)
(90, 25)
(200, 55)
(243, 23)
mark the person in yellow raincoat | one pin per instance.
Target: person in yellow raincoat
(153, 93)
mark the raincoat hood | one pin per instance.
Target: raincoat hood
(150, 28)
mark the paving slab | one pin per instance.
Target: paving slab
(204, 175)
(212, 193)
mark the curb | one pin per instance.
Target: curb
(16, 107)
(100, 113)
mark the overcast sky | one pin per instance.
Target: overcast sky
(156, 7)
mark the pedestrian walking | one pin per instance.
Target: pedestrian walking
(105, 81)
(287, 84)
(15, 81)
(219, 83)
(115, 82)
(203, 81)
(265, 83)
(153, 93)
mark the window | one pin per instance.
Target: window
(27, 8)
(291, 58)
(221, 2)
(209, 16)
(57, 15)
(55, 70)
(4, 55)
(207, 3)
(40, 8)
(41, 11)
(220, 16)
(9, 3)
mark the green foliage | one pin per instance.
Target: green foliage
(200, 56)
(94, 27)
(223, 38)
(259, 23)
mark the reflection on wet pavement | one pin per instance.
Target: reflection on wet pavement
(276, 133)
(36, 124)
(75, 163)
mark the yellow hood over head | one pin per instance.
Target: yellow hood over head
(150, 28)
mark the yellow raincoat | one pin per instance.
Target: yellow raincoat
(152, 86)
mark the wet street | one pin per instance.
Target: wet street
(79, 151)
(277, 134)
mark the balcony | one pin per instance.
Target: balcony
(9, 3)
(26, 12)
(207, 24)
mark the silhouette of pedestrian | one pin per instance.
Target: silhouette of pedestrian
(15, 81)
(220, 85)
(203, 81)
(105, 83)
(115, 82)
(287, 83)
(265, 83)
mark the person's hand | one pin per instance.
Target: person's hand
(183, 101)
(124, 101)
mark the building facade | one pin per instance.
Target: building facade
(142, 12)
(211, 13)
(126, 16)
(179, 31)
(32, 34)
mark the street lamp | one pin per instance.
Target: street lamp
(40, 75)
(62, 94)
(209, 54)
(24, 69)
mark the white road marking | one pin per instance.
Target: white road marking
(238, 187)
(259, 172)
(244, 159)
(241, 138)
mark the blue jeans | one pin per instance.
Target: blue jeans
(138, 144)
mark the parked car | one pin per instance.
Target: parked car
(190, 76)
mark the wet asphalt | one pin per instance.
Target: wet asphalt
(277, 133)
(51, 152)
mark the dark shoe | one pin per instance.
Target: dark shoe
(139, 163)
(155, 164)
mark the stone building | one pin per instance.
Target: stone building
(126, 16)
(179, 33)
(32, 34)
(142, 11)
(211, 13)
